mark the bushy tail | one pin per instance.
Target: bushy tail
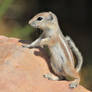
(76, 52)
(79, 59)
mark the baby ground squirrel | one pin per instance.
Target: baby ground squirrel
(61, 48)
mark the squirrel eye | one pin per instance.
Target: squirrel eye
(39, 18)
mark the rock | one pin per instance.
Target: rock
(22, 70)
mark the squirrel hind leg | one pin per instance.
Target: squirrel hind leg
(71, 71)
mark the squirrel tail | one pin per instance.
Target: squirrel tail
(76, 52)
(79, 58)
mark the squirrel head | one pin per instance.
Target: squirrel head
(44, 20)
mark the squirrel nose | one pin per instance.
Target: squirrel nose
(32, 23)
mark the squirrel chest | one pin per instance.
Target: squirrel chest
(61, 53)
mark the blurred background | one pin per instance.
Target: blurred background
(75, 19)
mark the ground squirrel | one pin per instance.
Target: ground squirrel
(62, 48)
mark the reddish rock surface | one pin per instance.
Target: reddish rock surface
(22, 70)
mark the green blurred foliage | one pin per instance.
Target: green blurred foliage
(4, 6)
(18, 31)
(22, 33)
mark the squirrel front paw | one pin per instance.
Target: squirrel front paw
(27, 46)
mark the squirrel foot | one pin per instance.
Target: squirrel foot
(73, 85)
(51, 77)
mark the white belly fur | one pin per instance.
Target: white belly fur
(58, 58)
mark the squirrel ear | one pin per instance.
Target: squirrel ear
(50, 12)
(50, 17)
